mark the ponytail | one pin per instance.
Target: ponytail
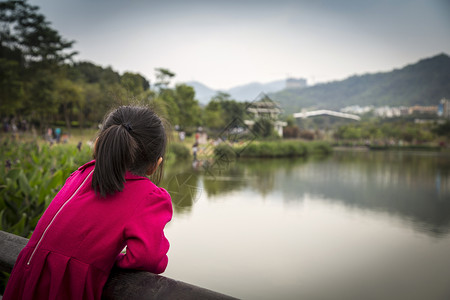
(132, 138)
(115, 151)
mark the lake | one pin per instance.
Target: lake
(353, 225)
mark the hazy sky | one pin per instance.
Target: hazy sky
(228, 43)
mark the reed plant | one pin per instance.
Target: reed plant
(30, 175)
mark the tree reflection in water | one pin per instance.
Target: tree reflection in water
(414, 187)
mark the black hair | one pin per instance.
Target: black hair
(132, 138)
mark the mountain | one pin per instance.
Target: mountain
(202, 93)
(246, 92)
(250, 91)
(423, 83)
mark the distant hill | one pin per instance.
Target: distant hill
(422, 83)
(202, 93)
(246, 92)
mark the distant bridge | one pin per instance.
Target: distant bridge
(314, 113)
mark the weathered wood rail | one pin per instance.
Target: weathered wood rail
(122, 284)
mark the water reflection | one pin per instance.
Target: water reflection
(400, 184)
(414, 187)
(182, 183)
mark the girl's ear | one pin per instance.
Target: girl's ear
(152, 169)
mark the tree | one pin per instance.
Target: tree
(31, 53)
(221, 97)
(11, 87)
(264, 128)
(190, 113)
(40, 100)
(442, 129)
(231, 109)
(348, 132)
(168, 107)
(213, 115)
(85, 72)
(163, 77)
(134, 83)
(95, 103)
(70, 97)
(23, 28)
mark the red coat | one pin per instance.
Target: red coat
(78, 239)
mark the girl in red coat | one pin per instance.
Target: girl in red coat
(105, 205)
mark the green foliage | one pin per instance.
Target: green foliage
(30, 176)
(70, 98)
(11, 87)
(135, 83)
(222, 111)
(264, 128)
(163, 77)
(178, 151)
(272, 149)
(189, 109)
(168, 105)
(39, 85)
(213, 115)
(224, 152)
(377, 131)
(25, 29)
(442, 129)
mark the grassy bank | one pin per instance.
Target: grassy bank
(408, 148)
(422, 147)
(275, 149)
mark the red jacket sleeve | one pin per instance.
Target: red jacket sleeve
(146, 244)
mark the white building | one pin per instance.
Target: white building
(295, 83)
(265, 108)
(444, 108)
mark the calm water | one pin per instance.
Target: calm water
(355, 225)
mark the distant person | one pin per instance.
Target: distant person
(182, 135)
(14, 129)
(65, 138)
(5, 125)
(194, 150)
(49, 135)
(58, 134)
(197, 136)
(105, 205)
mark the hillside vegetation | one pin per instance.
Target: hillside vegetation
(422, 83)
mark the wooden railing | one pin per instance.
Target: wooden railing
(122, 284)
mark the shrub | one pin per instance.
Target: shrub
(224, 150)
(285, 149)
(321, 148)
(178, 151)
(291, 132)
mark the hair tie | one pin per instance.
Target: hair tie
(127, 127)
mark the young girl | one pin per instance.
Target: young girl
(105, 205)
